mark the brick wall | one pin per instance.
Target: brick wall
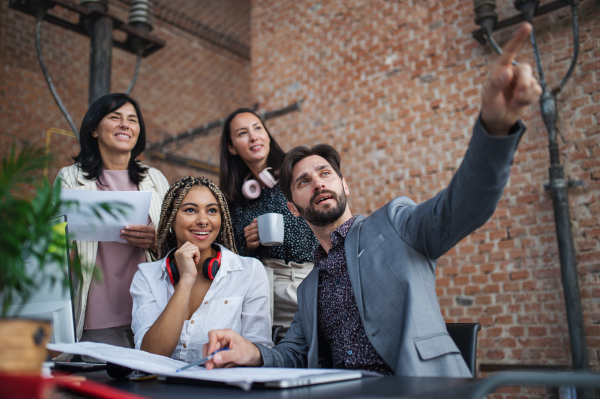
(186, 84)
(395, 87)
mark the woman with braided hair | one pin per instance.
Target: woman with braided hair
(200, 283)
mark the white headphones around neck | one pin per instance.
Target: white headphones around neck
(251, 188)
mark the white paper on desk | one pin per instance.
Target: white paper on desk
(242, 377)
(83, 225)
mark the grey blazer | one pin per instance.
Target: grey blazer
(391, 258)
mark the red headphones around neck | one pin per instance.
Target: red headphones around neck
(210, 268)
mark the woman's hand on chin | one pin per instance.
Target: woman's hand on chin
(187, 257)
(140, 236)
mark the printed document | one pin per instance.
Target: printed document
(242, 377)
(84, 225)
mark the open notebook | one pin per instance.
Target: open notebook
(243, 377)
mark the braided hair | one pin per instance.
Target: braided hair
(170, 207)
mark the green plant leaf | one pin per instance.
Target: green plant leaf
(26, 233)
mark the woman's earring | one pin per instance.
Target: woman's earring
(171, 229)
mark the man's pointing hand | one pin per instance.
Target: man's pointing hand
(510, 89)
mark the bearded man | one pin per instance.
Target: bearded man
(370, 301)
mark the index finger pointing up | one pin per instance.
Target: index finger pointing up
(510, 50)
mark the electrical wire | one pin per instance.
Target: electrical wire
(575, 13)
(38, 47)
(135, 74)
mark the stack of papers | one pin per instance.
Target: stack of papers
(242, 377)
(84, 225)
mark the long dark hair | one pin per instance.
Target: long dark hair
(89, 157)
(233, 169)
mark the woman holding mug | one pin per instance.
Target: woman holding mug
(250, 163)
(200, 283)
(111, 137)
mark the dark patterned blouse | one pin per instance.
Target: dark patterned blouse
(339, 322)
(299, 241)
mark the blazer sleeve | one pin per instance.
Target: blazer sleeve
(256, 310)
(292, 351)
(435, 226)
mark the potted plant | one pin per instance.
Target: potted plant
(27, 202)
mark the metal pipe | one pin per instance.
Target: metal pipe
(562, 219)
(204, 129)
(158, 151)
(100, 58)
(558, 185)
(184, 161)
(100, 28)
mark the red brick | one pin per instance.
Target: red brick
(483, 300)
(498, 277)
(495, 310)
(519, 274)
(396, 98)
(537, 331)
(516, 331)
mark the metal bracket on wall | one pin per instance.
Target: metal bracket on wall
(157, 150)
(184, 161)
(150, 43)
(562, 183)
(546, 8)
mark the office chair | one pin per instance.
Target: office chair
(464, 336)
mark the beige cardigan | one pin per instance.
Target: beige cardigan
(72, 178)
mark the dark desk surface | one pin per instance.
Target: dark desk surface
(372, 387)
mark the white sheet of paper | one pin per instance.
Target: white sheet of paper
(242, 377)
(83, 225)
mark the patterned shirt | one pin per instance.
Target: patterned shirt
(299, 241)
(339, 322)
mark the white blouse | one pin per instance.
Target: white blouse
(238, 299)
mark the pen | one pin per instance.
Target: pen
(203, 360)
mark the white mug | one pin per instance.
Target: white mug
(270, 229)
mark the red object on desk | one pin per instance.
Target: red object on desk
(35, 387)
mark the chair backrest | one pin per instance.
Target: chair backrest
(275, 332)
(465, 338)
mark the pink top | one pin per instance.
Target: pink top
(109, 303)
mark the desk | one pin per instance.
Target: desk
(372, 387)
(369, 387)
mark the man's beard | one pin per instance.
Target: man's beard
(325, 217)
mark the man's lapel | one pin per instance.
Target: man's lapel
(312, 291)
(351, 248)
